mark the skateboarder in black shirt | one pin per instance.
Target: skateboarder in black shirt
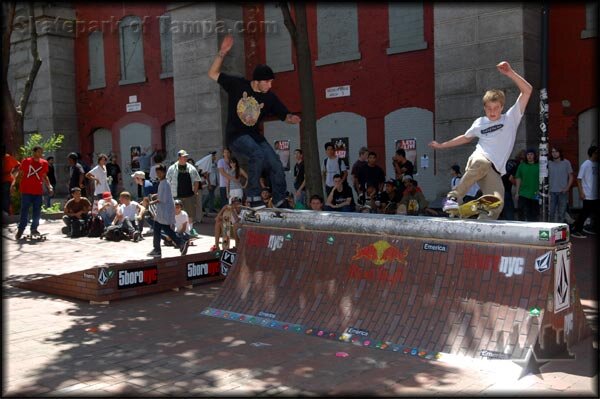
(249, 102)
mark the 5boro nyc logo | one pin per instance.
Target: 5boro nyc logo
(137, 277)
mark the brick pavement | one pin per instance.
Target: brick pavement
(160, 345)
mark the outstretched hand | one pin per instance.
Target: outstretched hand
(435, 145)
(227, 43)
(504, 68)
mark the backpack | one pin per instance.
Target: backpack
(79, 227)
(112, 233)
(96, 227)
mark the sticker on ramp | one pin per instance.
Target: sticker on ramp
(543, 262)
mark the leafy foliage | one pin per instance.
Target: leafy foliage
(51, 144)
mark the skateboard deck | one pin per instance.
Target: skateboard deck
(481, 205)
(39, 237)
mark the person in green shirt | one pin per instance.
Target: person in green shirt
(527, 184)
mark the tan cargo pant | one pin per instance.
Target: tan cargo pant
(479, 170)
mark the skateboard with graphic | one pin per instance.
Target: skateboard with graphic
(482, 205)
(36, 237)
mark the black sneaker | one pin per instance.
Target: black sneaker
(34, 233)
(19, 234)
(283, 204)
(184, 247)
(578, 234)
(136, 236)
(154, 253)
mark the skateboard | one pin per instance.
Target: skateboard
(482, 205)
(37, 237)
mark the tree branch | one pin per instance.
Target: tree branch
(37, 62)
(8, 17)
(288, 21)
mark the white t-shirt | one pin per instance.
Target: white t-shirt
(153, 176)
(588, 173)
(332, 167)
(180, 220)
(497, 138)
(111, 210)
(100, 173)
(225, 165)
(129, 211)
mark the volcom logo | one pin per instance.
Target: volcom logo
(561, 283)
(543, 262)
(510, 265)
(275, 242)
(104, 275)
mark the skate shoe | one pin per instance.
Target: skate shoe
(450, 204)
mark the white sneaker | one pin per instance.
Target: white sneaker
(450, 205)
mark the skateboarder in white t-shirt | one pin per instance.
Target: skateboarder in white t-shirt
(496, 133)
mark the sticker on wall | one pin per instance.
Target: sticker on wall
(543, 262)
(288, 237)
(535, 312)
(89, 276)
(330, 240)
(562, 276)
(251, 217)
(494, 355)
(228, 257)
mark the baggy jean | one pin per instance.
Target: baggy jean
(35, 201)
(558, 206)
(260, 156)
(479, 170)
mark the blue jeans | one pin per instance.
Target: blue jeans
(28, 200)
(209, 201)
(508, 212)
(558, 207)
(260, 156)
(113, 188)
(158, 229)
(223, 195)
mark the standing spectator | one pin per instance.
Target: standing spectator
(76, 214)
(10, 167)
(165, 214)
(560, 179)
(212, 176)
(145, 160)
(237, 175)
(299, 179)
(372, 174)
(527, 178)
(139, 177)
(402, 166)
(332, 165)
(113, 173)
(197, 197)
(99, 177)
(249, 103)
(33, 171)
(107, 208)
(224, 169)
(52, 179)
(508, 179)
(587, 183)
(363, 154)
(184, 181)
(340, 197)
(316, 202)
(159, 157)
(76, 174)
(473, 192)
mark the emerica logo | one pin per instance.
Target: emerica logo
(352, 330)
(492, 129)
(435, 247)
(137, 277)
(199, 270)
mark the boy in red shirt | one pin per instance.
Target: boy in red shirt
(9, 166)
(34, 172)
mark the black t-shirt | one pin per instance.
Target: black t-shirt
(298, 175)
(246, 107)
(511, 169)
(184, 182)
(396, 197)
(51, 175)
(113, 170)
(410, 168)
(74, 172)
(371, 175)
(340, 196)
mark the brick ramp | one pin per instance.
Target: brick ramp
(114, 281)
(414, 294)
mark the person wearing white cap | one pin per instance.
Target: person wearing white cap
(139, 177)
(184, 180)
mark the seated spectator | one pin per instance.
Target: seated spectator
(107, 208)
(76, 214)
(129, 214)
(340, 197)
(413, 201)
(265, 196)
(182, 225)
(390, 197)
(370, 199)
(226, 223)
(316, 203)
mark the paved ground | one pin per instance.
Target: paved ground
(160, 345)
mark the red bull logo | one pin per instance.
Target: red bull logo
(381, 252)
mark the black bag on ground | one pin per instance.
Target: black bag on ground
(96, 227)
(113, 233)
(79, 227)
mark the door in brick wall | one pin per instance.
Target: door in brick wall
(135, 140)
